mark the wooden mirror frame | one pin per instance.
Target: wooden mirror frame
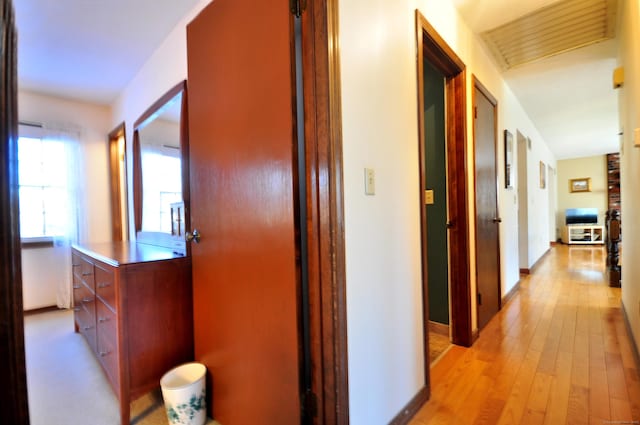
(157, 238)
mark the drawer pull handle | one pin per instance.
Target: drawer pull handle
(76, 308)
(75, 265)
(76, 286)
(104, 353)
(87, 300)
(86, 328)
(87, 274)
(103, 319)
(104, 284)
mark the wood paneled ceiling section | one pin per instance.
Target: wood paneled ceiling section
(558, 28)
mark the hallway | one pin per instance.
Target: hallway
(557, 353)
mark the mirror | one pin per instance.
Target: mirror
(160, 170)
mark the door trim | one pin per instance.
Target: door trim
(483, 89)
(14, 407)
(433, 48)
(325, 226)
(119, 228)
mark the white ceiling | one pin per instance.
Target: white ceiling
(90, 49)
(570, 96)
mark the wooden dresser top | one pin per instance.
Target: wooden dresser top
(122, 253)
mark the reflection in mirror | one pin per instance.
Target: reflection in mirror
(161, 167)
(118, 183)
(160, 176)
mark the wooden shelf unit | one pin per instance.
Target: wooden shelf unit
(583, 234)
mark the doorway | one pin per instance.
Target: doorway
(433, 51)
(118, 184)
(488, 286)
(435, 181)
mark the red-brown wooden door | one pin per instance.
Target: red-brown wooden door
(241, 130)
(487, 216)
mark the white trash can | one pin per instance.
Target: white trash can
(183, 391)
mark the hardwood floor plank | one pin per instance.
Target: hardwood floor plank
(615, 377)
(598, 394)
(490, 412)
(472, 405)
(633, 388)
(446, 363)
(516, 403)
(532, 417)
(580, 365)
(559, 392)
(539, 395)
(558, 353)
(621, 411)
(578, 408)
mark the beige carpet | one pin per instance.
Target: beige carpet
(66, 384)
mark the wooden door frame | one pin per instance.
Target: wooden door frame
(483, 89)
(119, 231)
(13, 392)
(433, 48)
(325, 222)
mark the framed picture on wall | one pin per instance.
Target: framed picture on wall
(508, 159)
(543, 175)
(582, 184)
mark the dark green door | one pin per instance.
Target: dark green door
(436, 181)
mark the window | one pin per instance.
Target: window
(162, 182)
(42, 168)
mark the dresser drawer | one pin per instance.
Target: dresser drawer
(76, 265)
(107, 347)
(105, 286)
(86, 273)
(86, 320)
(79, 291)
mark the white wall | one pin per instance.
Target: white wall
(384, 309)
(538, 203)
(594, 167)
(44, 268)
(629, 57)
(166, 67)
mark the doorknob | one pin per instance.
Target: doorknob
(192, 236)
(497, 220)
(449, 225)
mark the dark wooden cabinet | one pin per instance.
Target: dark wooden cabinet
(133, 304)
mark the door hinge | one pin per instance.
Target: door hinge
(479, 299)
(297, 7)
(309, 405)
(475, 112)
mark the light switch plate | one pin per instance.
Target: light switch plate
(428, 197)
(369, 181)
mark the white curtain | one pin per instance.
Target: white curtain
(70, 136)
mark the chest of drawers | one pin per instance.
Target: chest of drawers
(133, 304)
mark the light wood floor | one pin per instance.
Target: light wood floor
(438, 344)
(557, 353)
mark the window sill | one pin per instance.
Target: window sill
(36, 243)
